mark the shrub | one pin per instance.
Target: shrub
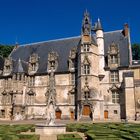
(69, 137)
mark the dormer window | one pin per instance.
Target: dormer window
(113, 56)
(71, 61)
(33, 63)
(7, 66)
(113, 59)
(86, 47)
(52, 61)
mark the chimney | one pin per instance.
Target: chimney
(126, 29)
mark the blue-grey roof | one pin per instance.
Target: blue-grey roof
(63, 47)
(20, 66)
(123, 44)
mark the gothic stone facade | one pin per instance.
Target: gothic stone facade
(89, 76)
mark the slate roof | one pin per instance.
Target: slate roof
(63, 47)
(20, 66)
(123, 43)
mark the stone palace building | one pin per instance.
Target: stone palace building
(91, 76)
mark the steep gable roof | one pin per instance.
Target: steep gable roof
(119, 39)
(62, 47)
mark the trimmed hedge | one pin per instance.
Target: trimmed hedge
(13, 132)
(69, 137)
(109, 131)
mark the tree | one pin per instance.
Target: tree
(5, 50)
(136, 51)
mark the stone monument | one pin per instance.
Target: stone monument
(50, 127)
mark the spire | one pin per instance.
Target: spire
(51, 92)
(86, 25)
(98, 25)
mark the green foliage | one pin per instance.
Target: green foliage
(13, 132)
(69, 137)
(108, 131)
(136, 51)
(5, 50)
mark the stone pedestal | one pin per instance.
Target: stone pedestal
(42, 129)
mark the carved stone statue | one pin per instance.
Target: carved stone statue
(51, 119)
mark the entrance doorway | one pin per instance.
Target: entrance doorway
(106, 114)
(72, 115)
(58, 114)
(86, 110)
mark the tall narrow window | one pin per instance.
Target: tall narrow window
(33, 66)
(7, 68)
(86, 69)
(87, 94)
(73, 79)
(115, 97)
(114, 59)
(30, 97)
(32, 81)
(4, 99)
(86, 47)
(52, 64)
(114, 76)
(33, 63)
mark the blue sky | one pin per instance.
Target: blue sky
(27, 21)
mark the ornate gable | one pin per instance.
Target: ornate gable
(52, 61)
(33, 63)
(7, 66)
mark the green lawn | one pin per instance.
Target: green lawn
(107, 131)
(13, 132)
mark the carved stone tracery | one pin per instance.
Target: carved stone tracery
(33, 63)
(52, 61)
(7, 66)
(71, 60)
(86, 25)
(113, 55)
